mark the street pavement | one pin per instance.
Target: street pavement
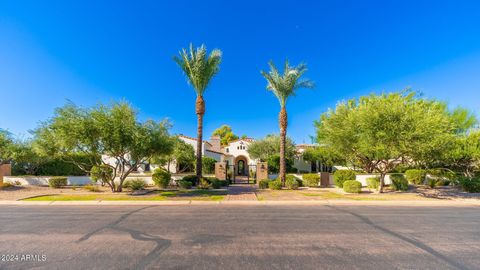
(239, 237)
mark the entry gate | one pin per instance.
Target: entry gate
(250, 177)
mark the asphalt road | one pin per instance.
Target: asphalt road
(239, 237)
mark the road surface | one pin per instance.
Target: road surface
(239, 237)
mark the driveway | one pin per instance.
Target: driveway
(240, 237)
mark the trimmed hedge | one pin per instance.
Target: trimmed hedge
(373, 182)
(263, 184)
(276, 185)
(57, 181)
(291, 182)
(193, 179)
(161, 178)
(352, 186)
(340, 176)
(416, 177)
(311, 179)
(399, 182)
(184, 184)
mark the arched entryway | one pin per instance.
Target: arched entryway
(241, 166)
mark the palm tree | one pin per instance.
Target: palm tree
(199, 68)
(283, 86)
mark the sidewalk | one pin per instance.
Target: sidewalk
(241, 193)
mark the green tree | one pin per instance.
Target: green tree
(183, 155)
(226, 134)
(284, 86)
(268, 150)
(110, 135)
(385, 130)
(208, 164)
(324, 155)
(6, 146)
(199, 68)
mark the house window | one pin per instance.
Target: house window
(226, 150)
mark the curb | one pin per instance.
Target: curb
(245, 203)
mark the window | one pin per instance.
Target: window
(226, 150)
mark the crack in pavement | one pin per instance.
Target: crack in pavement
(413, 242)
(161, 244)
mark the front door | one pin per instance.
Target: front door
(241, 167)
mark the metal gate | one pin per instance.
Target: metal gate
(248, 177)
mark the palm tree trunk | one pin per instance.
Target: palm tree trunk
(200, 111)
(282, 118)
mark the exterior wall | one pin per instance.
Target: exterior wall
(362, 178)
(6, 169)
(214, 155)
(302, 165)
(72, 180)
(236, 149)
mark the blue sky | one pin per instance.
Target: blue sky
(90, 52)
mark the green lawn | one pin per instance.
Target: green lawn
(194, 194)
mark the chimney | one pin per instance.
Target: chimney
(215, 141)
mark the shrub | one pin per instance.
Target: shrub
(57, 181)
(5, 185)
(399, 182)
(204, 184)
(91, 188)
(161, 178)
(263, 184)
(373, 182)
(184, 184)
(275, 184)
(352, 186)
(416, 177)
(432, 182)
(340, 176)
(208, 165)
(471, 185)
(291, 182)
(216, 184)
(134, 184)
(193, 179)
(311, 180)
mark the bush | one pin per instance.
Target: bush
(352, 186)
(416, 177)
(184, 184)
(5, 185)
(208, 165)
(311, 180)
(91, 188)
(275, 184)
(193, 179)
(134, 184)
(340, 176)
(471, 185)
(57, 181)
(399, 182)
(373, 182)
(204, 184)
(161, 178)
(263, 184)
(291, 182)
(432, 182)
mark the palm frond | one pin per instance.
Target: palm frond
(284, 85)
(199, 67)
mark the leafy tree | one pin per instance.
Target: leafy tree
(324, 155)
(226, 134)
(109, 135)
(385, 130)
(270, 146)
(183, 155)
(6, 145)
(199, 68)
(464, 156)
(283, 86)
(208, 164)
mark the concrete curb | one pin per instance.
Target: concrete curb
(285, 203)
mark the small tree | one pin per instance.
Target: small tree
(110, 135)
(6, 144)
(208, 164)
(183, 155)
(226, 134)
(385, 130)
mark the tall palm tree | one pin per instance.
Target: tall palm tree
(199, 68)
(283, 86)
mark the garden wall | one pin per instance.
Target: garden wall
(72, 180)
